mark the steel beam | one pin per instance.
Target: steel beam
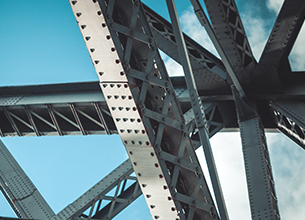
(220, 48)
(284, 33)
(119, 178)
(290, 119)
(18, 189)
(197, 107)
(231, 35)
(268, 73)
(261, 191)
(41, 118)
(28, 103)
(205, 65)
(86, 92)
(134, 104)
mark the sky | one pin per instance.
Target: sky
(41, 43)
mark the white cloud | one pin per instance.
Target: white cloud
(192, 27)
(256, 33)
(275, 5)
(228, 157)
(173, 68)
(288, 161)
(297, 53)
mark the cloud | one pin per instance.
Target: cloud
(256, 32)
(297, 53)
(173, 68)
(275, 5)
(192, 27)
(288, 162)
(228, 157)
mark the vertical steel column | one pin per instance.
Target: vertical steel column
(197, 108)
(260, 182)
(19, 190)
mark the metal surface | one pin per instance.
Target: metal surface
(204, 64)
(18, 189)
(282, 37)
(231, 35)
(290, 119)
(125, 185)
(262, 197)
(160, 180)
(155, 114)
(229, 66)
(197, 109)
(126, 191)
(93, 111)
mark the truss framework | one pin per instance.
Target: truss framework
(154, 115)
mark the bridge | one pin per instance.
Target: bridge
(163, 119)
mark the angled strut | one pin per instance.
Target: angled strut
(205, 22)
(18, 189)
(197, 108)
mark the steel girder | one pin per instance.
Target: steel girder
(81, 107)
(288, 116)
(18, 189)
(206, 23)
(120, 179)
(272, 68)
(28, 104)
(197, 108)
(125, 192)
(232, 37)
(290, 119)
(260, 182)
(146, 112)
(206, 67)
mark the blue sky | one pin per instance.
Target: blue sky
(41, 43)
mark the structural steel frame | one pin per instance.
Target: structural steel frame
(160, 119)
